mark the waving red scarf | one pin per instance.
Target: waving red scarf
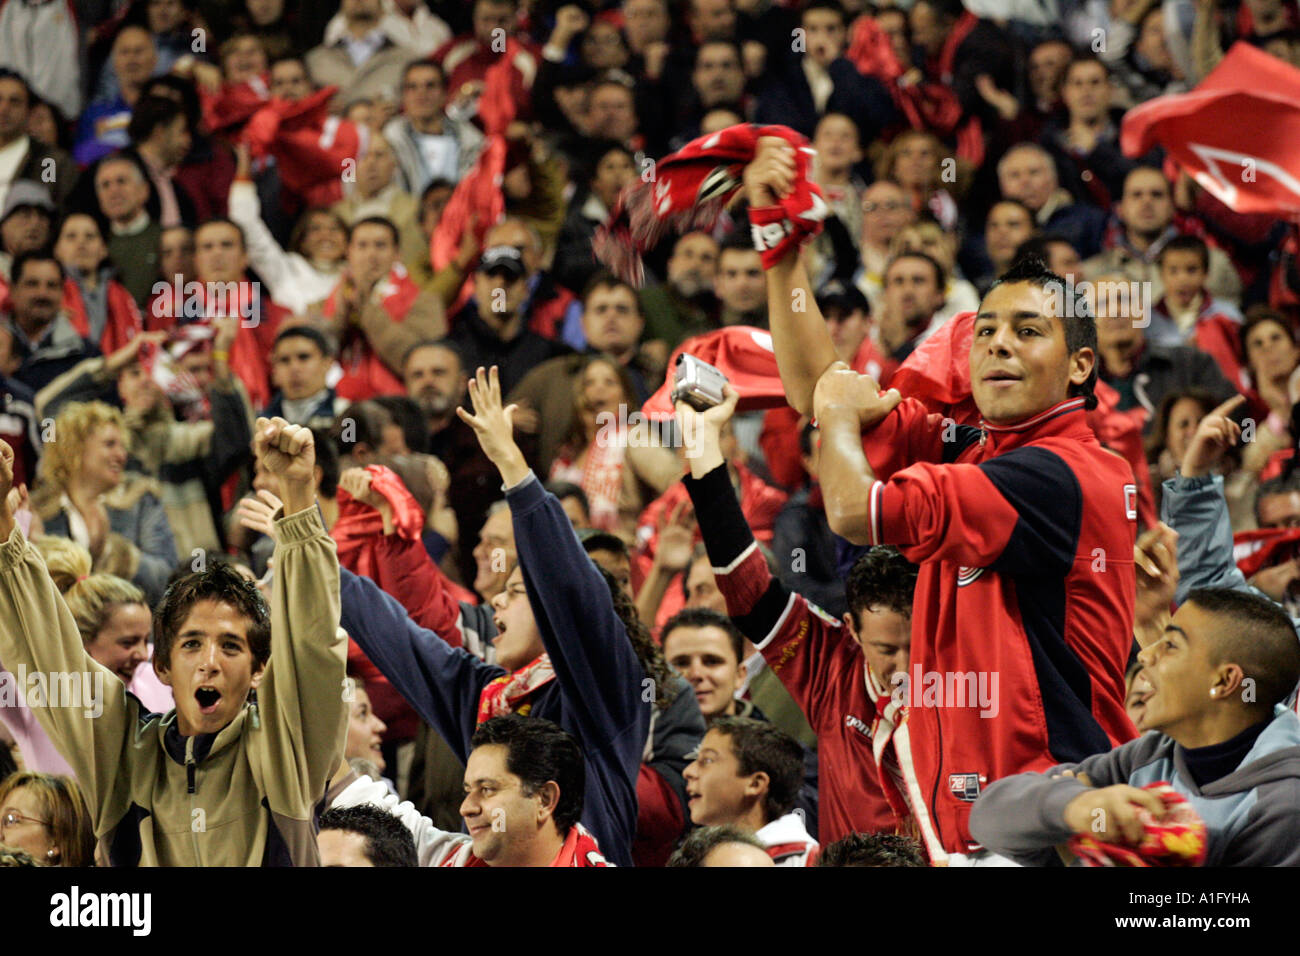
(689, 190)
(310, 146)
(1180, 839)
(359, 526)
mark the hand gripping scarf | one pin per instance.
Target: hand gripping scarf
(1177, 840)
(689, 189)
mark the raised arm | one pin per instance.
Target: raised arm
(587, 642)
(39, 635)
(803, 347)
(265, 256)
(301, 696)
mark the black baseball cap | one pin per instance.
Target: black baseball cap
(842, 295)
(503, 260)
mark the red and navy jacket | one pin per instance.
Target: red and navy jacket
(816, 659)
(1024, 534)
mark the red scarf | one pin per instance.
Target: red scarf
(478, 196)
(1180, 839)
(509, 693)
(360, 527)
(1262, 548)
(124, 319)
(364, 373)
(309, 145)
(580, 849)
(690, 189)
(235, 104)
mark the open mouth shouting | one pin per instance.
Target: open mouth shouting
(209, 699)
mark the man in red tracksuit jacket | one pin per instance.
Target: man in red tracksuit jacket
(847, 696)
(1024, 530)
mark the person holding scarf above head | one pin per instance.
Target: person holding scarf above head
(1006, 521)
(569, 646)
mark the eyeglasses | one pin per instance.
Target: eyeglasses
(13, 818)
(892, 206)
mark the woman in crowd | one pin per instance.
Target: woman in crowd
(46, 815)
(81, 494)
(600, 454)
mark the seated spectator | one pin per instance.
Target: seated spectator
(739, 284)
(1145, 219)
(608, 167)
(1142, 371)
(885, 211)
(26, 223)
(364, 62)
(408, 23)
(300, 365)
(100, 308)
(600, 453)
(102, 127)
(611, 324)
(872, 849)
(683, 304)
(1188, 315)
(1008, 226)
(161, 136)
(926, 237)
(428, 143)
(1085, 141)
(916, 160)
(376, 313)
(1026, 173)
(721, 846)
(747, 774)
(37, 340)
(492, 328)
(46, 815)
(913, 301)
(364, 835)
(377, 194)
(81, 495)
(122, 193)
(29, 154)
(260, 786)
(1218, 740)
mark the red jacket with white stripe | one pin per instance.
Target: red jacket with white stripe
(816, 659)
(1023, 619)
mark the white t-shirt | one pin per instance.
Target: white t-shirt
(441, 154)
(11, 158)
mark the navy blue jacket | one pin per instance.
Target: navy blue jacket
(598, 694)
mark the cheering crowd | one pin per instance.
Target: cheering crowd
(352, 512)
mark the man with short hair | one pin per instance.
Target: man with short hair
(491, 329)
(1144, 221)
(721, 846)
(42, 344)
(999, 519)
(1008, 225)
(872, 849)
(122, 192)
(1189, 314)
(287, 79)
(21, 156)
(611, 324)
(256, 771)
(364, 835)
(747, 774)
(1027, 173)
(739, 284)
(102, 127)
(160, 132)
(683, 305)
(1214, 688)
(708, 650)
(913, 293)
(1085, 142)
(466, 58)
(376, 312)
(427, 143)
(363, 63)
(300, 362)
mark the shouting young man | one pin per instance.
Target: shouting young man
(1023, 529)
(220, 780)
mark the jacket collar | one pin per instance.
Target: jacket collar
(1063, 418)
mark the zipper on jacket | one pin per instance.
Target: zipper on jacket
(191, 787)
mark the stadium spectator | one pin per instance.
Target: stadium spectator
(364, 62)
(47, 816)
(428, 144)
(23, 155)
(37, 340)
(721, 846)
(364, 835)
(684, 304)
(300, 364)
(122, 192)
(1027, 174)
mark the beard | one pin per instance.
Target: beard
(689, 284)
(434, 404)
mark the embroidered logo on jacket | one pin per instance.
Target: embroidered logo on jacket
(964, 786)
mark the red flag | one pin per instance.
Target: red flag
(938, 371)
(479, 194)
(1235, 133)
(743, 354)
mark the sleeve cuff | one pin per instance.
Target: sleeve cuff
(520, 490)
(299, 527)
(1181, 483)
(11, 552)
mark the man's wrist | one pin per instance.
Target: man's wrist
(513, 468)
(297, 496)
